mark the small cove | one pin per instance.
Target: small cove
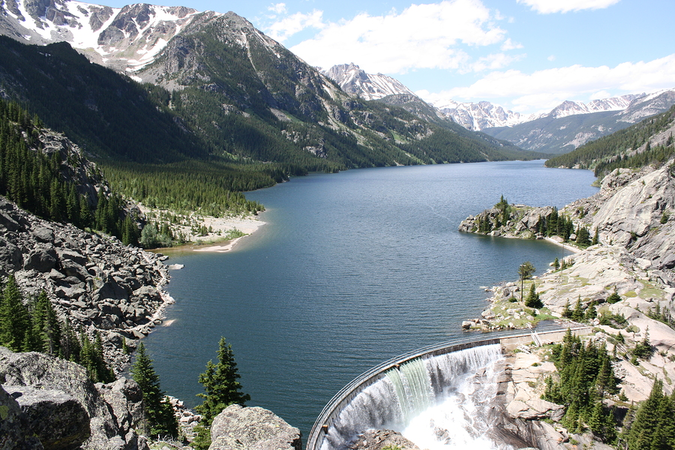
(351, 269)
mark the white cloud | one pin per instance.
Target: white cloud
(551, 58)
(563, 6)
(545, 89)
(492, 62)
(510, 45)
(421, 36)
(287, 27)
(600, 95)
(277, 8)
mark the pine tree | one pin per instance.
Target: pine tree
(653, 425)
(46, 326)
(533, 300)
(159, 412)
(221, 384)
(525, 272)
(14, 318)
(578, 313)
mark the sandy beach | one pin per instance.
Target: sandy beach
(215, 239)
(247, 225)
(220, 227)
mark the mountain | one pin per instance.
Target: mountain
(563, 129)
(568, 127)
(570, 108)
(352, 79)
(217, 86)
(390, 91)
(649, 142)
(481, 115)
(125, 38)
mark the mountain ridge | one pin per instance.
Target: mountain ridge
(221, 89)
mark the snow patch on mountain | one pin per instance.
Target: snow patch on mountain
(352, 79)
(481, 115)
(127, 38)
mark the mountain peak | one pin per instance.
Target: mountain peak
(120, 38)
(352, 79)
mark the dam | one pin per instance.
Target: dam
(438, 397)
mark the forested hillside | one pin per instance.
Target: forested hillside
(242, 129)
(637, 146)
(53, 181)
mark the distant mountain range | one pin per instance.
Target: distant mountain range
(567, 127)
(561, 130)
(211, 85)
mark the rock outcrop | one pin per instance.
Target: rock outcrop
(381, 439)
(633, 259)
(15, 430)
(94, 281)
(239, 428)
(60, 405)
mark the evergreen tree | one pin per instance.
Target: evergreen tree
(14, 318)
(221, 384)
(161, 418)
(533, 300)
(653, 426)
(91, 357)
(614, 298)
(70, 346)
(578, 313)
(222, 388)
(46, 326)
(525, 272)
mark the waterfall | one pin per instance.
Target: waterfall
(412, 386)
(437, 401)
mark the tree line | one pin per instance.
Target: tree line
(35, 181)
(221, 389)
(617, 150)
(33, 326)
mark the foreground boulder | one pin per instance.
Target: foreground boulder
(239, 428)
(15, 432)
(65, 409)
(57, 419)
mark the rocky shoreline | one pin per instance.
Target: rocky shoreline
(634, 259)
(95, 282)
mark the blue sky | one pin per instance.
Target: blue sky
(526, 55)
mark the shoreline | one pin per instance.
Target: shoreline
(571, 248)
(214, 241)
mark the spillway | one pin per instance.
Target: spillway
(439, 399)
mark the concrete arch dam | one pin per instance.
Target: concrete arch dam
(439, 397)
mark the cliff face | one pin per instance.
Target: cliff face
(632, 210)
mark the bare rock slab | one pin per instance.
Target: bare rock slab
(240, 428)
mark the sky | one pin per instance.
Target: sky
(527, 56)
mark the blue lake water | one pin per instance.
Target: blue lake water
(351, 269)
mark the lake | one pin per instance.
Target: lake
(351, 269)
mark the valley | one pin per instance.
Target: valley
(198, 136)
